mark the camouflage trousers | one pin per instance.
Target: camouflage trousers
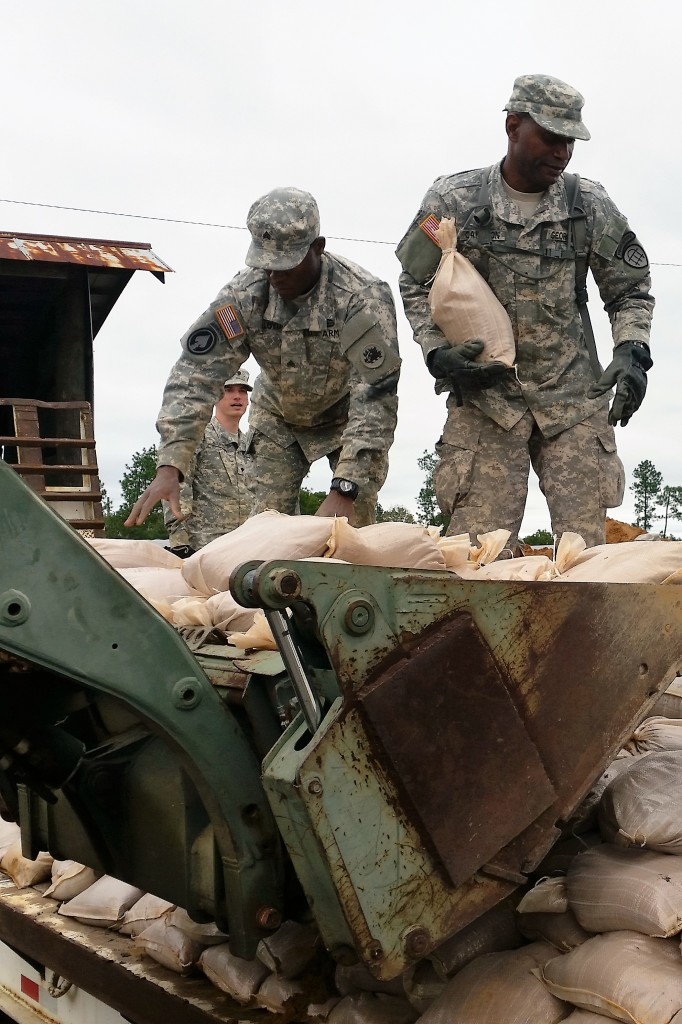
(276, 474)
(481, 479)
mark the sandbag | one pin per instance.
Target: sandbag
(147, 909)
(493, 932)
(258, 637)
(499, 987)
(265, 536)
(530, 567)
(669, 703)
(103, 904)
(548, 896)
(358, 978)
(585, 815)
(643, 806)
(10, 833)
(69, 878)
(464, 306)
(289, 950)
(133, 554)
(611, 889)
(561, 930)
(655, 734)
(276, 993)
(241, 979)
(370, 1008)
(158, 584)
(402, 545)
(208, 934)
(21, 870)
(169, 946)
(623, 975)
(625, 563)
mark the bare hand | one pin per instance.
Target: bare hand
(166, 484)
(336, 504)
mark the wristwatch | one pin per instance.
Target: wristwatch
(348, 488)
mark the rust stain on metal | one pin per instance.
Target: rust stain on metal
(92, 252)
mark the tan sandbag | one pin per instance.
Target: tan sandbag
(625, 563)
(277, 993)
(370, 1008)
(464, 306)
(69, 878)
(402, 545)
(23, 871)
(208, 934)
(423, 984)
(499, 987)
(147, 909)
(289, 950)
(611, 889)
(569, 550)
(103, 904)
(257, 638)
(133, 554)
(624, 975)
(530, 567)
(643, 806)
(321, 1011)
(656, 734)
(10, 833)
(169, 946)
(159, 584)
(241, 979)
(585, 815)
(669, 703)
(548, 896)
(350, 978)
(492, 932)
(584, 1017)
(561, 930)
(265, 536)
(227, 615)
(455, 550)
(491, 545)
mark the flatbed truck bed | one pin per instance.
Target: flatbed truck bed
(108, 982)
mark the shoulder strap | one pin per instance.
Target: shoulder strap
(482, 214)
(578, 229)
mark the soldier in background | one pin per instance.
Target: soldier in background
(516, 225)
(214, 496)
(323, 331)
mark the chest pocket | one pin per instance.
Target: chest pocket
(362, 342)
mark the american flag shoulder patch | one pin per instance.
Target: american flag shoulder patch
(430, 225)
(230, 322)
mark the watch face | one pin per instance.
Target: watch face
(345, 486)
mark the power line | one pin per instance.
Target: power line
(207, 224)
(172, 220)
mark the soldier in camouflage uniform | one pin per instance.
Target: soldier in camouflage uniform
(552, 410)
(214, 496)
(323, 332)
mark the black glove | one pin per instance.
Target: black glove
(457, 364)
(627, 374)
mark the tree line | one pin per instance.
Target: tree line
(654, 501)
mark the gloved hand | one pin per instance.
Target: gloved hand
(457, 364)
(627, 374)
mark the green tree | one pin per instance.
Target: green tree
(541, 538)
(137, 476)
(394, 514)
(428, 511)
(671, 503)
(309, 501)
(647, 492)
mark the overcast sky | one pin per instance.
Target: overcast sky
(171, 112)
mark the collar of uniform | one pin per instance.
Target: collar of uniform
(311, 312)
(552, 206)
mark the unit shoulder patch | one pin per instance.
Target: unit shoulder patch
(202, 341)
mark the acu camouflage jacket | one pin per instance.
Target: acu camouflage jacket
(531, 268)
(329, 367)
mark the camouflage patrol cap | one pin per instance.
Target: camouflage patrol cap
(551, 103)
(283, 224)
(240, 378)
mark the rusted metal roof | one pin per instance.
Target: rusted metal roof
(92, 252)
